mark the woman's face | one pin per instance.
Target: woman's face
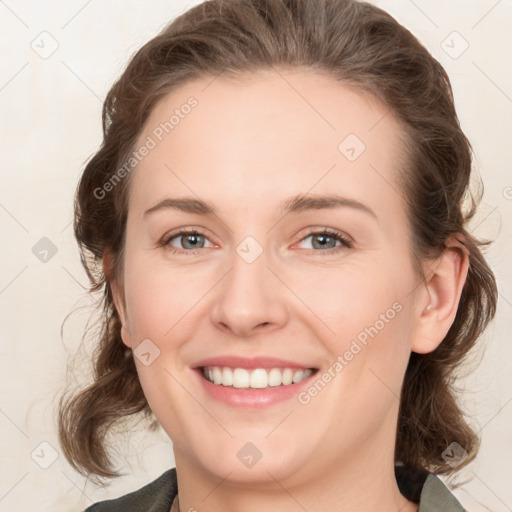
(278, 159)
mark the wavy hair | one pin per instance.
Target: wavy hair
(360, 45)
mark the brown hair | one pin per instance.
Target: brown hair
(358, 44)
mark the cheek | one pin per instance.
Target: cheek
(367, 310)
(159, 298)
(160, 309)
(340, 301)
(346, 299)
(371, 343)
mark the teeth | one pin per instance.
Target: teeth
(298, 376)
(240, 378)
(217, 375)
(258, 378)
(227, 377)
(287, 377)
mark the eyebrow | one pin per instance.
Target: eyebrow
(295, 204)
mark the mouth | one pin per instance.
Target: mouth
(254, 378)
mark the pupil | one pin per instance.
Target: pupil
(323, 239)
(192, 239)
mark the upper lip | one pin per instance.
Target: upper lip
(249, 362)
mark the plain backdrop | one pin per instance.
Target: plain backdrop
(58, 61)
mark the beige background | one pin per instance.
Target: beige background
(50, 124)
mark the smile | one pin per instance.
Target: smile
(257, 378)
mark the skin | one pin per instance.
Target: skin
(250, 144)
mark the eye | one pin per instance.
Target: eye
(192, 241)
(326, 240)
(189, 240)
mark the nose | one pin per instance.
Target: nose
(250, 299)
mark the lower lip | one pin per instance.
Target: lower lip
(250, 397)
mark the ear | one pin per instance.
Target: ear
(437, 309)
(118, 296)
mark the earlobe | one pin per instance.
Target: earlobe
(117, 297)
(444, 288)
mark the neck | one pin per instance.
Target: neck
(363, 479)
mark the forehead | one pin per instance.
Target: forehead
(271, 133)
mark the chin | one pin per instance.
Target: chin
(255, 463)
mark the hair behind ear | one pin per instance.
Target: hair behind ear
(85, 418)
(430, 418)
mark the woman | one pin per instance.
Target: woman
(276, 220)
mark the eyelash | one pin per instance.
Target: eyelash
(346, 242)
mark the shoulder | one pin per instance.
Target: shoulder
(436, 496)
(427, 490)
(156, 496)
